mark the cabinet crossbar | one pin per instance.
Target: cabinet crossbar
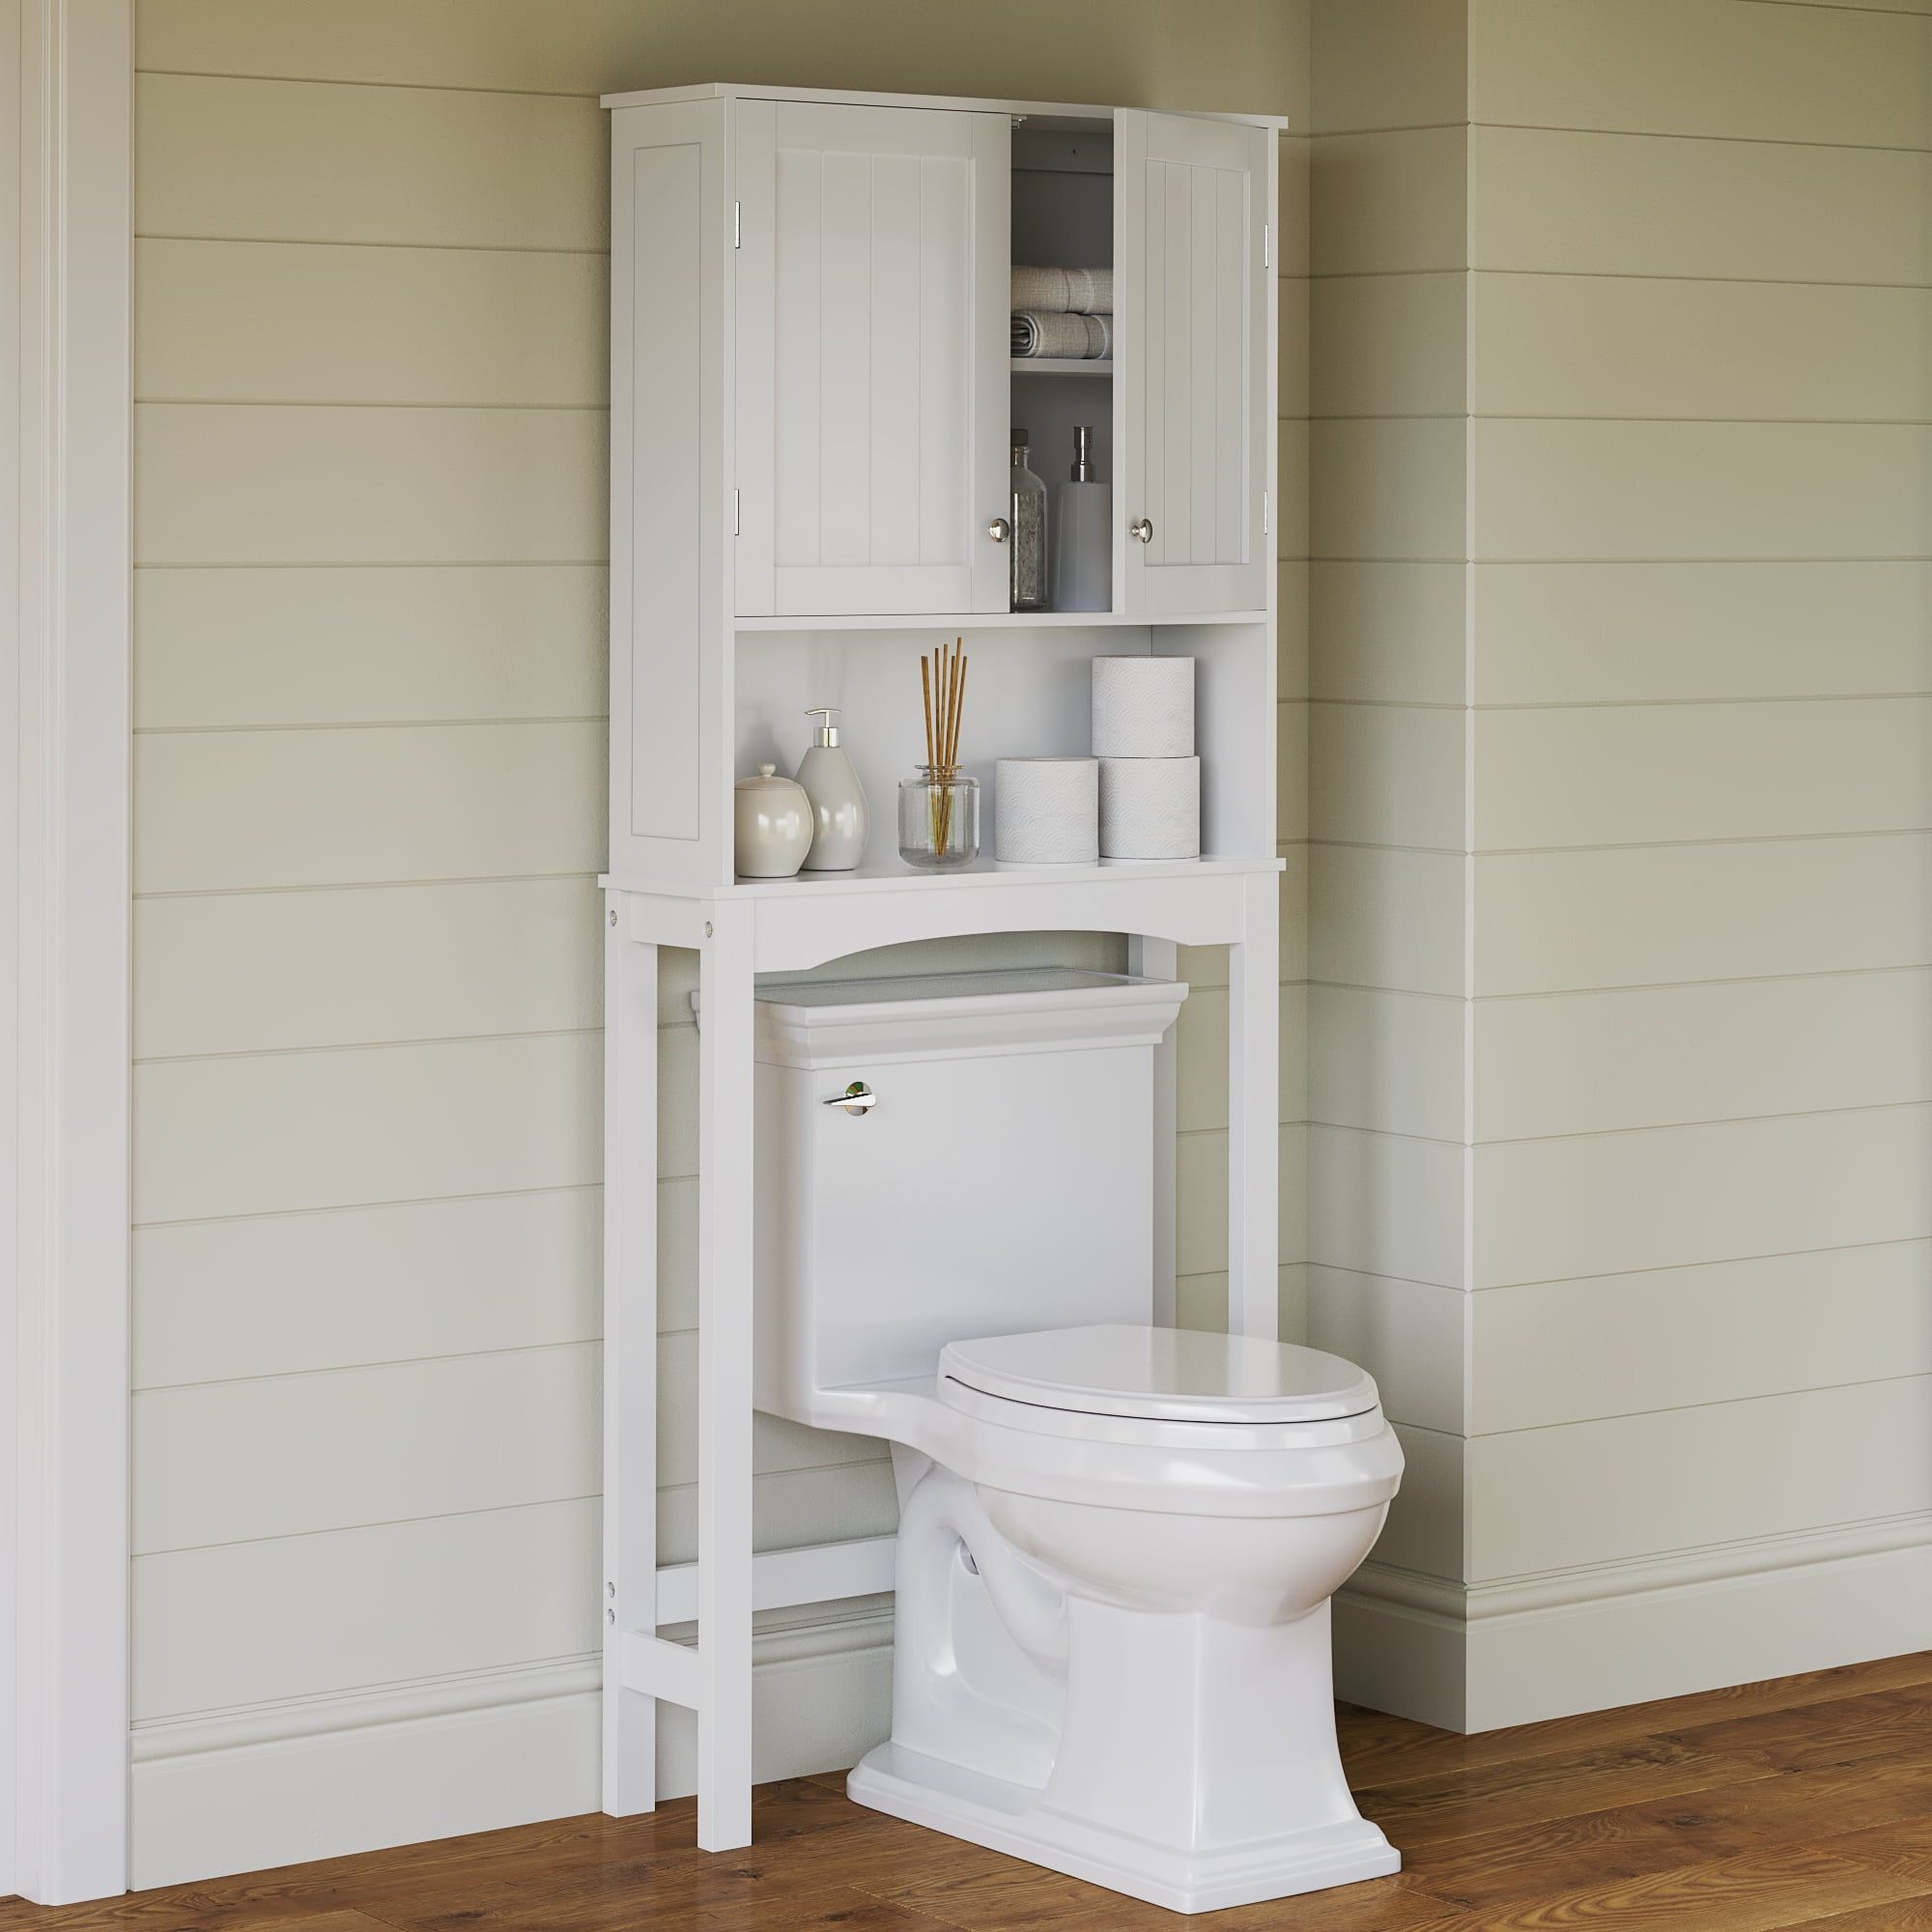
(659, 1668)
(815, 1573)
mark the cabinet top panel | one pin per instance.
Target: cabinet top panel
(1043, 112)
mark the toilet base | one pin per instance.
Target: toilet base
(1012, 1818)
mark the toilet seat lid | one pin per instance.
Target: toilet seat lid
(1160, 1374)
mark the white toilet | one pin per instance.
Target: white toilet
(1117, 1543)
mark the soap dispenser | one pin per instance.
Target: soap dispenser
(839, 821)
(1083, 533)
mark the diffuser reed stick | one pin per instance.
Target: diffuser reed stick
(942, 687)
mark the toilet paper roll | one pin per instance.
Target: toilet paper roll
(1150, 808)
(1142, 707)
(1047, 811)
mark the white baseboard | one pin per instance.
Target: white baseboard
(249, 1790)
(1475, 1657)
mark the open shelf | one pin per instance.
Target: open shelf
(1062, 366)
(989, 620)
(893, 875)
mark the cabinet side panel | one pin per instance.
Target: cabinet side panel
(666, 374)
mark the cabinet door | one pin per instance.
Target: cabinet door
(1196, 362)
(871, 359)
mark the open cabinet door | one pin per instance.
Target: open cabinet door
(872, 285)
(1195, 353)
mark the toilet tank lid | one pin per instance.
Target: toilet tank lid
(1161, 1375)
(822, 1023)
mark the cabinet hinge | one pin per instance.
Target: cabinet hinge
(737, 214)
(1264, 513)
(737, 514)
(1264, 244)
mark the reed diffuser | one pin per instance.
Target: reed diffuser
(939, 807)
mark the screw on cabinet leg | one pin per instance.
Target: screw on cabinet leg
(613, 915)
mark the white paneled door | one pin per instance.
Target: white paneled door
(1193, 211)
(871, 366)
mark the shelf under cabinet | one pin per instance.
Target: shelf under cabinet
(1061, 365)
(989, 620)
(894, 875)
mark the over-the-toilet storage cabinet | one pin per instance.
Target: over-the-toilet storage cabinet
(811, 389)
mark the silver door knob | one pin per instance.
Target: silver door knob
(858, 1098)
(1142, 528)
(999, 529)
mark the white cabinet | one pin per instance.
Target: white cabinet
(1195, 286)
(871, 359)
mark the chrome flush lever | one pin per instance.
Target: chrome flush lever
(858, 1098)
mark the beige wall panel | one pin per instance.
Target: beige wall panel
(1390, 1062)
(1601, 633)
(1424, 1532)
(1392, 919)
(1548, 1209)
(1387, 488)
(1202, 1096)
(350, 646)
(1387, 775)
(1294, 912)
(1382, 204)
(1606, 775)
(1598, 1491)
(353, 324)
(1550, 921)
(1588, 1062)
(1201, 1209)
(791, 1509)
(1605, 346)
(301, 1616)
(1603, 204)
(247, 483)
(1554, 1351)
(265, 1134)
(1291, 630)
(1407, 1334)
(252, 971)
(1291, 491)
(1142, 51)
(1290, 805)
(353, 1446)
(1398, 64)
(218, 1300)
(275, 161)
(1552, 490)
(1297, 171)
(1292, 346)
(677, 1102)
(1389, 632)
(223, 810)
(1389, 345)
(1703, 66)
(1385, 1205)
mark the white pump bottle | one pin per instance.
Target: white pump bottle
(838, 814)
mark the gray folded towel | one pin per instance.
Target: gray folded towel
(1073, 338)
(1064, 290)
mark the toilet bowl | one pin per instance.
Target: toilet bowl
(1117, 1541)
(1117, 1548)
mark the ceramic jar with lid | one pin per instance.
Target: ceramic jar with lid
(773, 825)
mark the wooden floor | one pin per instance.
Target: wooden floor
(1806, 1801)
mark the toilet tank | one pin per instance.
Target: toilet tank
(1001, 1180)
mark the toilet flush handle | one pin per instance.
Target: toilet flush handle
(857, 1098)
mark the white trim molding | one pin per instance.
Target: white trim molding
(1476, 1657)
(64, 1063)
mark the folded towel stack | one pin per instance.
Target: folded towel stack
(1063, 313)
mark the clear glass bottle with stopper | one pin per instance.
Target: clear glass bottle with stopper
(840, 816)
(1027, 536)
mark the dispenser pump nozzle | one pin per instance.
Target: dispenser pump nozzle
(828, 733)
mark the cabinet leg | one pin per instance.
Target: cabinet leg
(629, 1592)
(1160, 959)
(724, 1382)
(1254, 1115)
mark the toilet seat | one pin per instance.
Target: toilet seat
(1137, 1373)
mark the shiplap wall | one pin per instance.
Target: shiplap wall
(1623, 325)
(370, 282)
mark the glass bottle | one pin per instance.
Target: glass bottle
(939, 818)
(1083, 533)
(1029, 531)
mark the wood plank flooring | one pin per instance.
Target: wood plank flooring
(1806, 1802)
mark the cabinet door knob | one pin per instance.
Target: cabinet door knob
(1142, 528)
(999, 529)
(858, 1099)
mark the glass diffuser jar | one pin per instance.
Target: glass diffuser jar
(1029, 531)
(939, 818)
